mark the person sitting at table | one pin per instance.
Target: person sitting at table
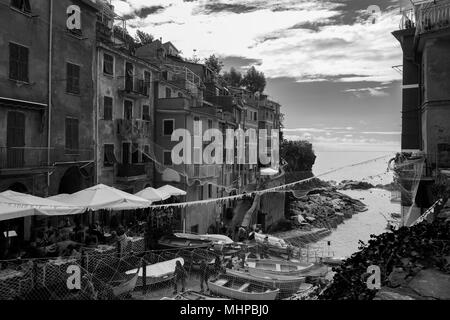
(97, 231)
(79, 234)
(41, 239)
(113, 238)
(91, 240)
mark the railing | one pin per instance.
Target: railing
(22, 157)
(202, 171)
(408, 20)
(431, 17)
(131, 170)
(136, 86)
(134, 128)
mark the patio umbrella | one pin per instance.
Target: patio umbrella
(153, 194)
(172, 190)
(104, 197)
(41, 206)
(8, 212)
(268, 172)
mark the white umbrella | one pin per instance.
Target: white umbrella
(41, 206)
(8, 212)
(153, 194)
(268, 172)
(172, 190)
(104, 197)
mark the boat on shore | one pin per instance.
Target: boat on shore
(218, 241)
(333, 261)
(124, 286)
(260, 267)
(174, 242)
(194, 295)
(156, 273)
(241, 289)
(287, 284)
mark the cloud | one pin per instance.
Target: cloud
(382, 132)
(307, 40)
(370, 91)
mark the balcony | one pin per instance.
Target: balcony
(203, 171)
(135, 88)
(22, 160)
(431, 17)
(133, 129)
(131, 172)
(174, 103)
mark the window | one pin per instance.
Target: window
(108, 64)
(194, 229)
(147, 82)
(146, 155)
(146, 113)
(200, 192)
(168, 93)
(180, 95)
(168, 127)
(127, 109)
(15, 139)
(167, 158)
(107, 108)
(73, 78)
(210, 195)
(22, 5)
(210, 124)
(126, 146)
(71, 134)
(135, 153)
(108, 155)
(255, 115)
(18, 62)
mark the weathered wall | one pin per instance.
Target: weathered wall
(80, 51)
(110, 86)
(436, 107)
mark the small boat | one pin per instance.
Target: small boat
(157, 273)
(269, 266)
(172, 242)
(124, 286)
(274, 242)
(194, 295)
(333, 261)
(241, 289)
(218, 240)
(287, 284)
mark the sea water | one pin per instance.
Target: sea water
(344, 240)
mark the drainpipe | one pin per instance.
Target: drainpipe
(49, 118)
(96, 117)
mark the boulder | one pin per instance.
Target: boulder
(396, 294)
(431, 283)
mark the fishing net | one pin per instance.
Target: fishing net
(408, 170)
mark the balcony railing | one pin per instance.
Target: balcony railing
(432, 17)
(408, 20)
(131, 170)
(22, 157)
(133, 129)
(203, 171)
(135, 87)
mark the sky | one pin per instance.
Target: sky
(328, 63)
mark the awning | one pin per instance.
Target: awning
(172, 190)
(153, 194)
(104, 197)
(8, 212)
(40, 206)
